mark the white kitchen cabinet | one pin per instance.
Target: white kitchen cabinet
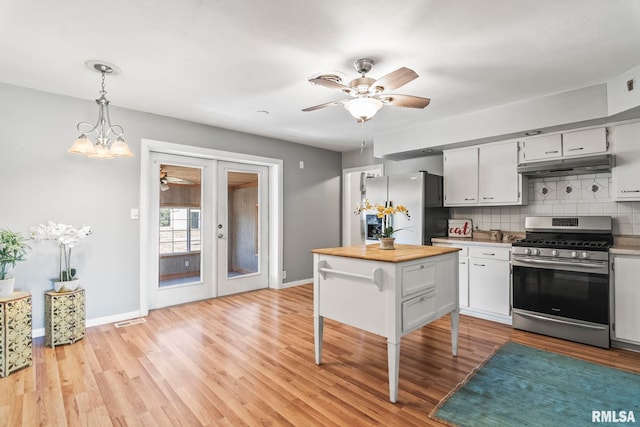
(565, 145)
(626, 298)
(544, 147)
(484, 175)
(590, 141)
(498, 179)
(461, 177)
(463, 272)
(625, 173)
(489, 279)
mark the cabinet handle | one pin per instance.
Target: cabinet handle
(576, 149)
(462, 262)
(487, 198)
(630, 191)
(478, 265)
(551, 152)
(468, 199)
(488, 253)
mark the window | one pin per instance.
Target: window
(179, 230)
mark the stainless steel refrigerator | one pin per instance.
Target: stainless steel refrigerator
(421, 193)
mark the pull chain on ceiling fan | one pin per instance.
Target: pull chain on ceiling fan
(368, 95)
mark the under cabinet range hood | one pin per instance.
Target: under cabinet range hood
(568, 166)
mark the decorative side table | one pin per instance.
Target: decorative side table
(64, 319)
(15, 332)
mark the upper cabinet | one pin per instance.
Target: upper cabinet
(541, 148)
(461, 177)
(590, 141)
(484, 175)
(625, 173)
(569, 144)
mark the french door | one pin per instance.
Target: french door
(242, 229)
(208, 231)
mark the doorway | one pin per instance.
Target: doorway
(210, 226)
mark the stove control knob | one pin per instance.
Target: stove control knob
(555, 252)
(584, 254)
(526, 251)
(574, 254)
(535, 251)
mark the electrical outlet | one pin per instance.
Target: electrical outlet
(284, 274)
(631, 85)
(186, 263)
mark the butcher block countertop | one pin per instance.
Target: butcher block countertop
(373, 252)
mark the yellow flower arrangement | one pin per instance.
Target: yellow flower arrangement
(385, 212)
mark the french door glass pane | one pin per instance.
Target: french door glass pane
(243, 213)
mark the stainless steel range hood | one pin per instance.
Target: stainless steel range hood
(562, 167)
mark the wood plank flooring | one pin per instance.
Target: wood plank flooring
(249, 360)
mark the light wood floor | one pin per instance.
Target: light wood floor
(249, 360)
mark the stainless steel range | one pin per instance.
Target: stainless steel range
(561, 278)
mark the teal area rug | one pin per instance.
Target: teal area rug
(523, 386)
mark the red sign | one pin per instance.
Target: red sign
(460, 228)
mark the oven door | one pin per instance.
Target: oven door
(553, 290)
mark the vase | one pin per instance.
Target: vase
(387, 242)
(68, 286)
(6, 287)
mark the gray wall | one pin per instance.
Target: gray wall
(41, 181)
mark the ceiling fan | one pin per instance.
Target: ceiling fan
(165, 180)
(368, 95)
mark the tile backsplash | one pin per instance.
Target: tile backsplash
(582, 195)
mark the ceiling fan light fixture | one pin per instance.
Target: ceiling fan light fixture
(363, 108)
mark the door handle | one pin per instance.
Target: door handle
(220, 235)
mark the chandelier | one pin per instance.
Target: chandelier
(105, 132)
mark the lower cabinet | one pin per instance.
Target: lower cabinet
(484, 280)
(489, 280)
(626, 299)
(15, 332)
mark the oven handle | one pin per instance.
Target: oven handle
(535, 316)
(571, 264)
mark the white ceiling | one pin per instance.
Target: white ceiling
(219, 62)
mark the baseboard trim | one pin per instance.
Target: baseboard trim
(98, 321)
(296, 283)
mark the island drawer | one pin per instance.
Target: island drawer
(418, 278)
(419, 310)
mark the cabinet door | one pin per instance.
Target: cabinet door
(625, 182)
(463, 281)
(461, 177)
(626, 298)
(498, 179)
(542, 148)
(584, 142)
(489, 285)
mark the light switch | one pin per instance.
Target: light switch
(135, 214)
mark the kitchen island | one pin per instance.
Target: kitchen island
(386, 292)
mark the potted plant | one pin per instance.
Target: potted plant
(68, 237)
(13, 248)
(385, 212)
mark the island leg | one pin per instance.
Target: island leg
(318, 324)
(393, 359)
(455, 321)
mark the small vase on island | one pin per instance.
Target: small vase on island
(387, 243)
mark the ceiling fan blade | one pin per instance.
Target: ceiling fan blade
(174, 180)
(395, 79)
(326, 104)
(407, 101)
(331, 84)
